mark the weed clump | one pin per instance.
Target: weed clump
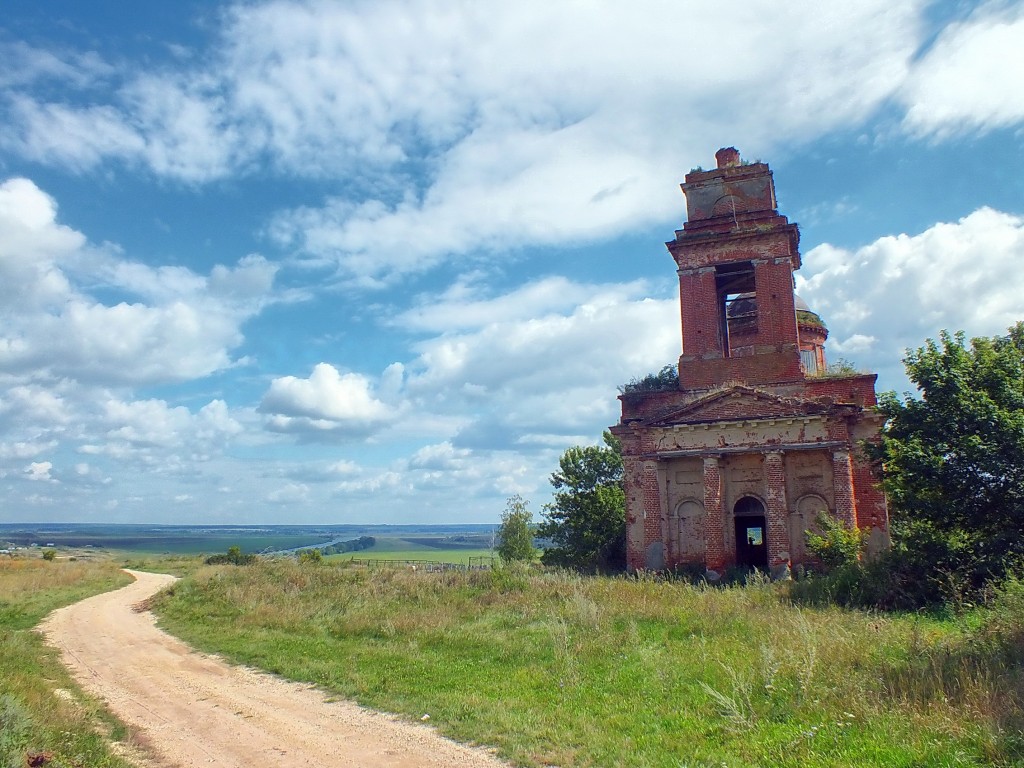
(310, 557)
(234, 556)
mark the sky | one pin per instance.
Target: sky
(383, 262)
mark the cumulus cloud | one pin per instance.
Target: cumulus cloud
(887, 296)
(526, 370)
(608, 336)
(965, 81)
(533, 379)
(459, 129)
(540, 149)
(328, 402)
(39, 471)
(70, 361)
(441, 456)
(183, 325)
(291, 493)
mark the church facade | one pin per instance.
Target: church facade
(732, 468)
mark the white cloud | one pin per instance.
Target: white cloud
(969, 79)
(892, 294)
(525, 380)
(463, 305)
(188, 135)
(459, 129)
(343, 467)
(39, 471)
(384, 481)
(292, 493)
(22, 64)
(611, 336)
(185, 326)
(25, 449)
(441, 456)
(327, 402)
(548, 150)
(76, 137)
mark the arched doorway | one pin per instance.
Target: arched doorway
(751, 533)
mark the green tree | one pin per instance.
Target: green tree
(49, 554)
(952, 463)
(586, 521)
(515, 532)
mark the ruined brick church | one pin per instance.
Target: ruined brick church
(734, 466)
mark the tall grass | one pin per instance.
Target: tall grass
(555, 669)
(42, 712)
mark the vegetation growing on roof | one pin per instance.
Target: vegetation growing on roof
(806, 317)
(665, 380)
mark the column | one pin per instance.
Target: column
(777, 512)
(654, 537)
(842, 487)
(714, 516)
(669, 523)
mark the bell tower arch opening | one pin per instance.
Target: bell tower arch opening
(737, 307)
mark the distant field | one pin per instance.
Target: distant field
(183, 544)
(190, 540)
(196, 545)
(438, 549)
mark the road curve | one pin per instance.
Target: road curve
(191, 709)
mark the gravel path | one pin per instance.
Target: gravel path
(191, 709)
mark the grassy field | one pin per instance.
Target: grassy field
(33, 716)
(554, 669)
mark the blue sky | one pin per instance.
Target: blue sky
(354, 262)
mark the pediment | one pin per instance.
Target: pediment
(740, 403)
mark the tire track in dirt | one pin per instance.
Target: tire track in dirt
(191, 709)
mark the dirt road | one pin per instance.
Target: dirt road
(195, 710)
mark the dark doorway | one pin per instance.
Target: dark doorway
(751, 533)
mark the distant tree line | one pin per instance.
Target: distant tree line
(355, 545)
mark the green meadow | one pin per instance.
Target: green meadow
(556, 669)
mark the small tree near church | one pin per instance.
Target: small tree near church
(586, 521)
(516, 533)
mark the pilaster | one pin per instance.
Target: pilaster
(778, 510)
(842, 482)
(714, 516)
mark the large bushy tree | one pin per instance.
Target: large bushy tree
(951, 459)
(586, 522)
(515, 534)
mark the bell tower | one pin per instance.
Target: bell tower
(733, 466)
(736, 256)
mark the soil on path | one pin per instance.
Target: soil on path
(191, 709)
